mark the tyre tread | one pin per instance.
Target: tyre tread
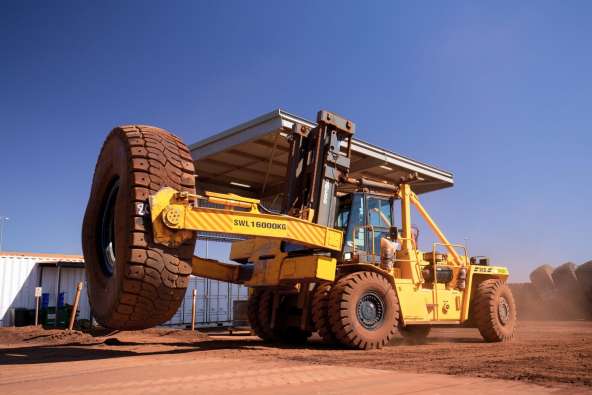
(156, 278)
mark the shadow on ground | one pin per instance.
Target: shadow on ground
(113, 347)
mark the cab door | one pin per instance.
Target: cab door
(379, 219)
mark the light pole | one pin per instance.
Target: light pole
(3, 220)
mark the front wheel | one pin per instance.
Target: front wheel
(494, 311)
(363, 310)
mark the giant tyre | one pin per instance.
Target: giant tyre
(134, 283)
(363, 310)
(542, 279)
(320, 312)
(493, 311)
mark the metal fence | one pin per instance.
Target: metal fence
(215, 299)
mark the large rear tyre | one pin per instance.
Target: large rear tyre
(494, 311)
(253, 314)
(265, 316)
(134, 283)
(320, 312)
(363, 310)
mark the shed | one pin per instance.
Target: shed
(21, 272)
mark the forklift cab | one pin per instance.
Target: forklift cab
(364, 219)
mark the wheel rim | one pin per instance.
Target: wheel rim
(370, 310)
(503, 311)
(106, 231)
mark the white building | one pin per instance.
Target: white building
(22, 272)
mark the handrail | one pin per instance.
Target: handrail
(434, 267)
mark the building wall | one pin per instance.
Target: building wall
(18, 280)
(19, 275)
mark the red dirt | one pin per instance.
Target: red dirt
(556, 354)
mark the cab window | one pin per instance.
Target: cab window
(380, 218)
(379, 212)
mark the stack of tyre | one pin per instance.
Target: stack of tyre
(561, 293)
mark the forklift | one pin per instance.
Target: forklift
(330, 261)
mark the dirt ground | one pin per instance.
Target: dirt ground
(550, 355)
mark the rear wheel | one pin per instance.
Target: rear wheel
(253, 314)
(494, 311)
(363, 310)
(320, 312)
(265, 315)
(134, 283)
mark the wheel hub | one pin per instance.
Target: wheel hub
(503, 311)
(106, 231)
(370, 310)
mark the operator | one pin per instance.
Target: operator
(388, 249)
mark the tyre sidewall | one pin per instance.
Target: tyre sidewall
(384, 290)
(103, 288)
(507, 330)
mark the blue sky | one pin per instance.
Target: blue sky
(499, 93)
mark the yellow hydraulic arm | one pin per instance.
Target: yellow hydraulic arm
(175, 215)
(407, 196)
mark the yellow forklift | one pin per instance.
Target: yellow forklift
(330, 260)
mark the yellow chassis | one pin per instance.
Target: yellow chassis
(177, 215)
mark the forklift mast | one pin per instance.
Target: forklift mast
(319, 159)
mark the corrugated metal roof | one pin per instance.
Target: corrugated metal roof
(41, 257)
(255, 154)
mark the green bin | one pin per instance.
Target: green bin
(48, 316)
